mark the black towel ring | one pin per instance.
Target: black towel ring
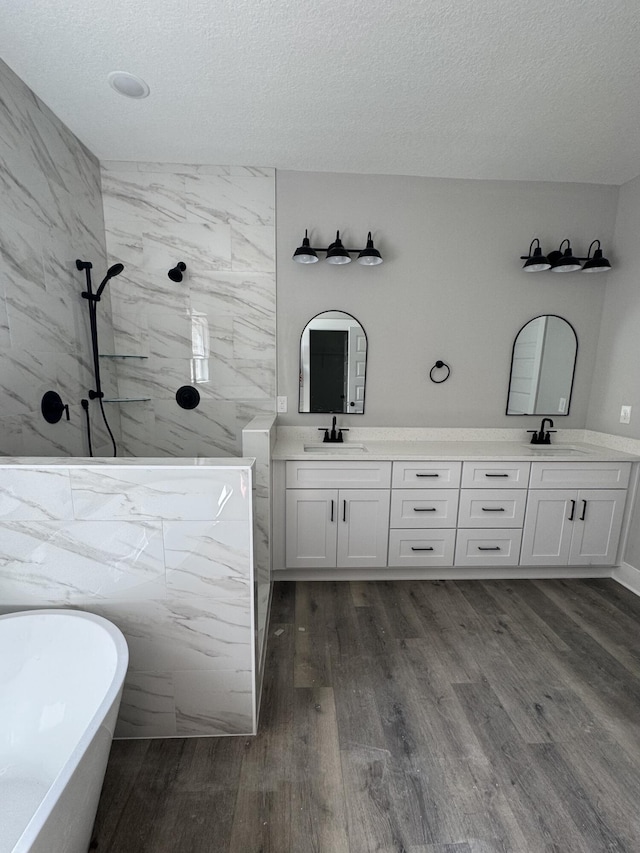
(439, 364)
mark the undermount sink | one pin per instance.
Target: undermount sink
(335, 447)
(559, 449)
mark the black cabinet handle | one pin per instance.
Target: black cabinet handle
(424, 509)
(573, 511)
(492, 548)
(496, 475)
(427, 475)
(344, 510)
(331, 510)
(493, 509)
(584, 510)
(421, 549)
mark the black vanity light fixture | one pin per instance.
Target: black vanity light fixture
(564, 261)
(336, 252)
(596, 263)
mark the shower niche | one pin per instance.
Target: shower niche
(115, 355)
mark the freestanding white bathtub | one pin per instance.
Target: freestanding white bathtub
(61, 676)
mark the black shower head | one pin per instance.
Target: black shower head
(116, 269)
(175, 274)
(112, 272)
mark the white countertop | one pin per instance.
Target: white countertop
(291, 447)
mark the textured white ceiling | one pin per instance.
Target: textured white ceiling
(513, 89)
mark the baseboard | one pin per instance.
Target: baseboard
(449, 573)
(628, 576)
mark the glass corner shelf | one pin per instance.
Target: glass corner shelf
(125, 399)
(120, 355)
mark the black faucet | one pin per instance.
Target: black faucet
(542, 437)
(333, 435)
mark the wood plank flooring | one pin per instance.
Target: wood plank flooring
(411, 717)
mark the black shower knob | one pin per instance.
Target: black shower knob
(187, 397)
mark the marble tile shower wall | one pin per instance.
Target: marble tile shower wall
(215, 329)
(164, 552)
(50, 214)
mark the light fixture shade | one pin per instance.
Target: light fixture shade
(563, 262)
(336, 253)
(536, 262)
(305, 254)
(596, 263)
(369, 256)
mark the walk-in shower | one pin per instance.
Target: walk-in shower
(93, 299)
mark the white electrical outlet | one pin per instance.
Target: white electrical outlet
(625, 415)
(562, 405)
(282, 404)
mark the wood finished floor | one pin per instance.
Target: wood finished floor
(411, 717)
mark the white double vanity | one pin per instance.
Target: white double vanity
(394, 504)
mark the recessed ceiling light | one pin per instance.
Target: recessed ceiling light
(128, 84)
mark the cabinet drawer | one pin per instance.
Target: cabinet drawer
(495, 475)
(426, 475)
(580, 475)
(488, 547)
(424, 507)
(421, 547)
(335, 475)
(492, 507)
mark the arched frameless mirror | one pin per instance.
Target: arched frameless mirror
(333, 364)
(542, 367)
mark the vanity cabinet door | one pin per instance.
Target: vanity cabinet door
(363, 528)
(548, 527)
(572, 527)
(597, 527)
(311, 528)
(331, 528)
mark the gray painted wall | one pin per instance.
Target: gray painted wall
(617, 371)
(615, 380)
(451, 287)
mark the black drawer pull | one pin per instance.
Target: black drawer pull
(427, 475)
(344, 510)
(584, 510)
(331, 510)
(493, 548)
(573, 511)
(496, 475)
(425, 509)
(493, 509)
(421, 549)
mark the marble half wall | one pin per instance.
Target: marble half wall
(50, 214)
(258, 440)
(165, 552)
(214, 330)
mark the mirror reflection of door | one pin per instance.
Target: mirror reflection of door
(328, 352)
(542, 367)
(357, 368)
(333, 364)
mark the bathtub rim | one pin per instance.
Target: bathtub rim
(111, 695)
